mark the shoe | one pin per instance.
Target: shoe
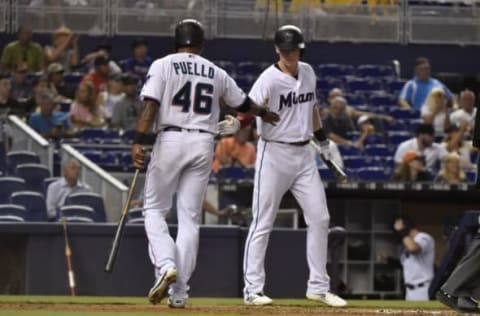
(159, 290)
(447, 299)
(467, 304)
(258, 300)
(328, 298)
(176, 302)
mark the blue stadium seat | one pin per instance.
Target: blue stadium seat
(234, 173)
(8, 185)
(413, 124)
(77, 213)
(228, 66)
(33, 202)
(90, 199)
(99, 135)
(396, 85)
(349, 151)
(46, 183)
(471, 176)
(135, 216)
(126, 162)
(128, 136)
(101, 158)
(15, 158)
(12, 213)
(335, 70)
(3, 158)
(382, 99)
(73, 78)
(395, 138)
(374, 174)
(326, 174)
(403, 114)
(355, 162)
(327, 84)
(398, 125)
(474, 156)
(378, 150)
(33, 174)
(363, 85)
(376, 71)
(248, 69)
(355, 99)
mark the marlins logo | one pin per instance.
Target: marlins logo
(293, 98)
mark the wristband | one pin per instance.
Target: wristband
(262, 112)
(141, 138)
(320, 135)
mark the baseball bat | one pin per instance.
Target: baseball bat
(332, 165)
(68, 256)
(121, 225)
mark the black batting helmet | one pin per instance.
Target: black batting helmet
(189, 33)
(289, 37)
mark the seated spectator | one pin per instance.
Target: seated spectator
(139, 63)
(415, 91)
(104, 50)
(84, 111)
(39, 87)
(21, 88)
(423, 144)
(23, 51)
(451, 172)
(435, 111)
(466, 113)
(455, 143)
(114, 94)
(8, 105)
(412, 169)
(127, 109)
(59, 190)
(64, 49)
(48, 122)
(61, 91)
(99, 77)
(235, 151)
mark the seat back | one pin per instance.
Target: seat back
(33, 174)
(77, 213)
(12, 213)
(8, 185)
(33, 202)
(135, 216)
(15, 158)
(90, 199)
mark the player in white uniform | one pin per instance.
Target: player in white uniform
(184, 88)
(285, 162)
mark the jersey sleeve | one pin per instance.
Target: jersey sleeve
(231, 94)
(259, 92)
(424, 242)
(155, 81)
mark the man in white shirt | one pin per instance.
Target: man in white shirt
(59, 190)
(467, 112)
(423, 144)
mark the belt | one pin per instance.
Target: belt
(301, 143)
(413, 287)
(180, 129)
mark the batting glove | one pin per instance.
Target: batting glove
(325, 149)
(228, 126)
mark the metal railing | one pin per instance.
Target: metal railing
(113, 191)
(25, 138)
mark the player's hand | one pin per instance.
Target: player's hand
(229, 126)
(325, 149)
(398, 225)
(270, 117)
(138, 156)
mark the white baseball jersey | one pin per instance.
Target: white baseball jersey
(188, 88)
(292, 99)
(418, 267)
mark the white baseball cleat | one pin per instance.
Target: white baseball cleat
(159, 290)
(258, 300)
(176, 302)
(328, 298)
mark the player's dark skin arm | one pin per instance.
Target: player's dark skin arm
(144, 125)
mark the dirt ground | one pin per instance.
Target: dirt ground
(224, 310)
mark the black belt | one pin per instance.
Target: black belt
(413, 287)
(179, 129)
(302, 143)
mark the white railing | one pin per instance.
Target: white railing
(23, 137)
(113, 191)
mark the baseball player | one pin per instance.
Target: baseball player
(284, 162)
(181, 94)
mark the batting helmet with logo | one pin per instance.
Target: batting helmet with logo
(289, 37)
(189, 33)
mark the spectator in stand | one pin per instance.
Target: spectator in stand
(84, 111)
(451, 171)
(139, 63)
(8, 105)
(39, 87)
(23, 51)
(59, 190)
(412, 169)
(466, 113)
(127, 110)
(64, 49)
(99, 77)
(48, 122)
(114, 94)
(104, 50)
(434, 111)
(61, 91)
(21, 88)
(455, 143)
(423, 144)
(415, 91)
(235, 151)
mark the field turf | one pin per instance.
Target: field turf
(119, 306)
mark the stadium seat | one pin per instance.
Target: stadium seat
(354, 99)
(374, 174)
(8, 185)
(382, 99)
(126, 162)
(234, 173)
(335, 70)
(15, 158)
(135, 216)
(326, 174)
(413, 124)
(375, 71)
(248, 69)
(46, 183)
(3, 158)
(33, 202)
(349, 151)
(403, 114)
(396, 85)
(397, 126)
(64, 106)
(327, 84)
(244, 83)
(362, 85)
(77, 213)
(395, 138)
(378, 150)
(73, 78)
(471, 176)
(33, 174)
(12, 213)
(128, 136)
(101, 158)
(99, 135)
(90, 199)
(228, 66)
(355, 162)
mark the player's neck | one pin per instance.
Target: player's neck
(189, 50)
(289, 69)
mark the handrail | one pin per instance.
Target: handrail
(39, 139)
